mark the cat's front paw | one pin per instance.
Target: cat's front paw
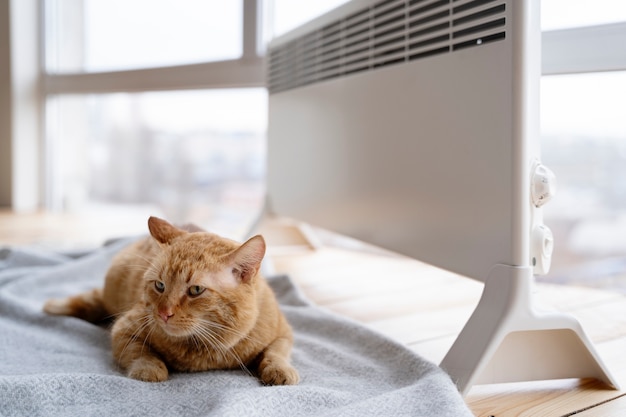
(148, 370)
(279, 374)
(57, 307)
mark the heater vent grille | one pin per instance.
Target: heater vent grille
(386, 33)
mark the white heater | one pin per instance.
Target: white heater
(413, 125)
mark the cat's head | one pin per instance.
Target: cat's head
(200, 281)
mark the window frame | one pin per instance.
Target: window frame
(246, 71)
(584, 49)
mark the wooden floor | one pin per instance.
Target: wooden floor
(420, 306)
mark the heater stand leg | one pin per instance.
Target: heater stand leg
(505, 340)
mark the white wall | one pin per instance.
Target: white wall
(5, 106)
(20, 131)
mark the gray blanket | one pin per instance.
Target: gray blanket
(62, 366)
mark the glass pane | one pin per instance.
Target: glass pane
(584, 142)
(107, 35)
(194, 156)
(561, 14)
(288, 14)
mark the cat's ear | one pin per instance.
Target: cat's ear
(162, 231)
(246, 260)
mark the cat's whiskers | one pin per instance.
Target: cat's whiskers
(211, 341)
(132, 337)
(227, 329)
(147, 338)
(114, 316)
(196, 342)
(211, 326)
(143, 323)
(207, 336)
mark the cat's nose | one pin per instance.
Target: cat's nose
(165, 315)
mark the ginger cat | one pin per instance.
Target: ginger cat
(189, 302)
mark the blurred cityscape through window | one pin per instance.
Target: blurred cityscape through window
(195, 155)
(584, 143)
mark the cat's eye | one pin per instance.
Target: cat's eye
(195, 290)
(159, 286)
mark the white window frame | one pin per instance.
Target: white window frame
(585, 49)
(246, 71)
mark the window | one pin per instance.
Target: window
(112, 35)
(584, 137)
(165, 114)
